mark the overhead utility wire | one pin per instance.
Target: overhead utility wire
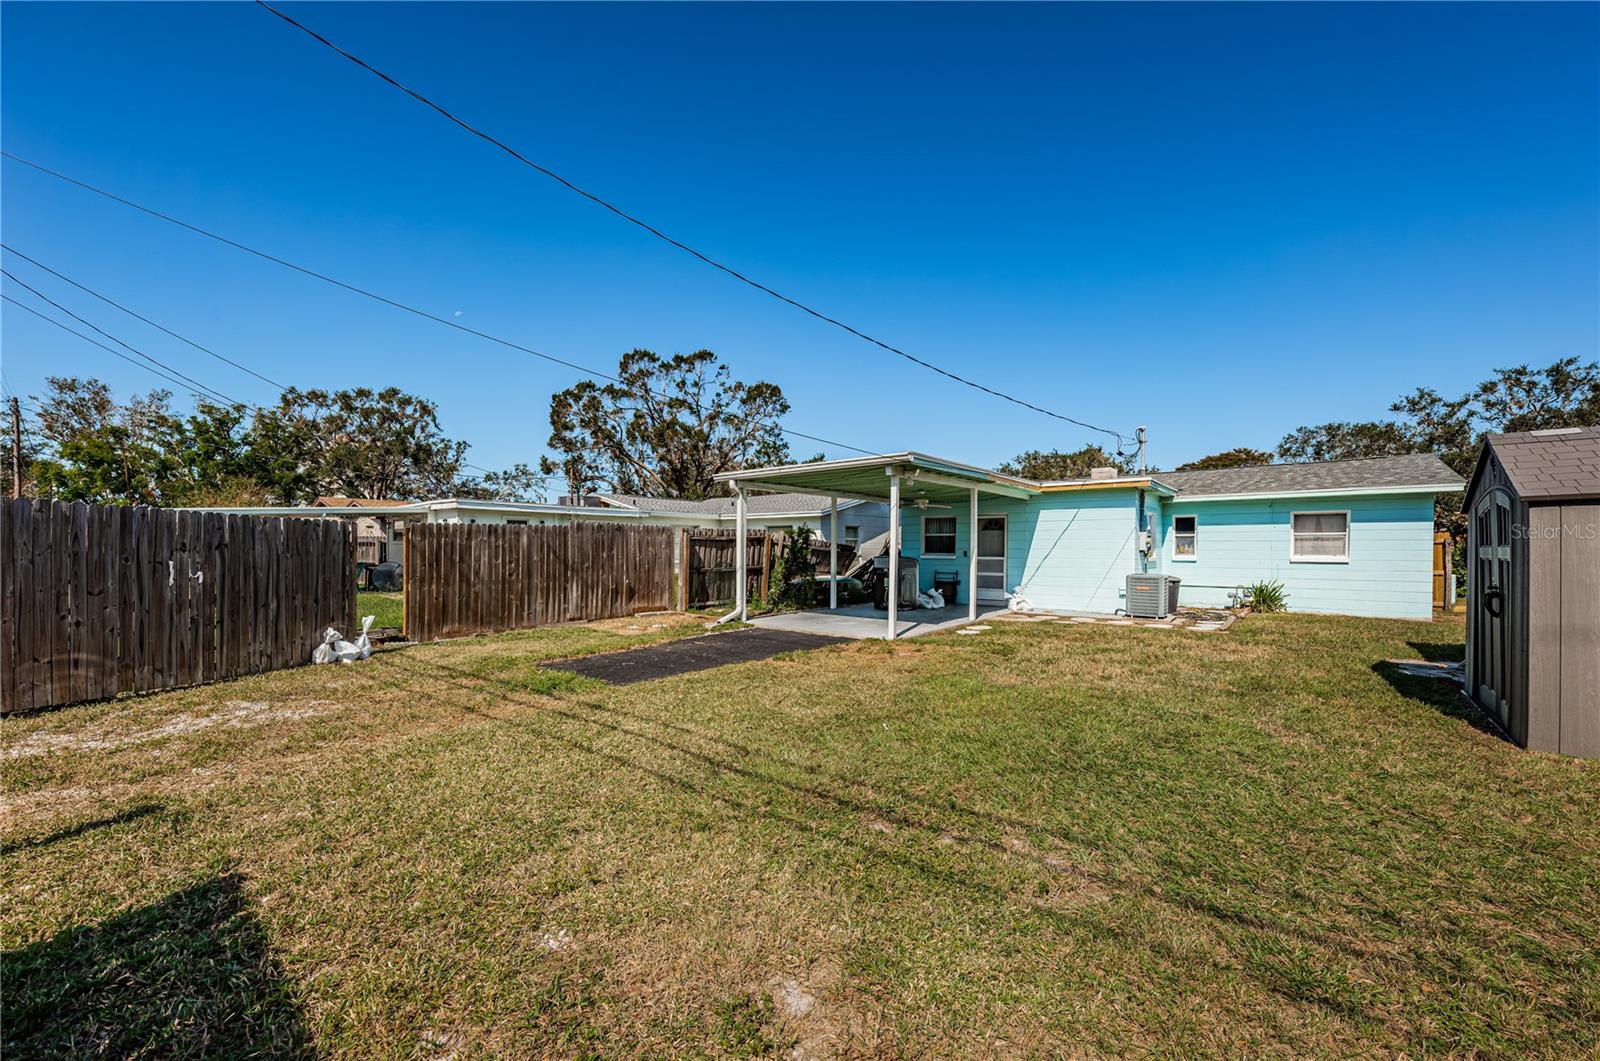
(209, 391)
(707, 259)
(103, 346)
(197, 230)
(90, 291)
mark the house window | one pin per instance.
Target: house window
(1320, 537)
(516, 523)
(1185, 537)
(938, 536)
(852, 535)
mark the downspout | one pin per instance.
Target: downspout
(741, 562)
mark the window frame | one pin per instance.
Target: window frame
(954, 536)
(1190, 557)
(850, 539)
(1296, 558)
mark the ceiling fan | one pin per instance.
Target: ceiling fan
(922, 502)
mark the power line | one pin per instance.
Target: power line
(163, 375)
(210, 392)
(103, 346)
(197, 230)
(90, 291)
(657, 233)
(195, 383)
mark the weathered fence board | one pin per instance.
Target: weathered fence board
(708, 572)
(464, 579)
(102, 600)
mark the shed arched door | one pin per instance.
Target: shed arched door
(1492, 597)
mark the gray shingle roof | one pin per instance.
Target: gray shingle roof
(756, 504)
(1421, 470)
(1551, 464)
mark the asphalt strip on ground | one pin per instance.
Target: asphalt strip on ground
(691, 654)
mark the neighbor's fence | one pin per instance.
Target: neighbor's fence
(478, 578)
(708, 573)
(100, 600)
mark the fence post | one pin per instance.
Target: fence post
(766, 567)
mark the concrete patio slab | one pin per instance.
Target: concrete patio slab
(863, 621)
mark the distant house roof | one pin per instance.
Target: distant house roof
(1556, 464)
(356, 502)
(1420, 471)
(755, 504)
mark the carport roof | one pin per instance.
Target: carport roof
(935, 478)
(868, 477)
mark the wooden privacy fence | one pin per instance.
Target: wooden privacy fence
(100, 600)
(477, 578)
(708, 571)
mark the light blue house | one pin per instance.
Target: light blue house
(1353, 537)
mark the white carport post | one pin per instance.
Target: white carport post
(972, 562)
(741, 551)
(833, 554)
(894, 553)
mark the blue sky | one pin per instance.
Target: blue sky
(1222, 222)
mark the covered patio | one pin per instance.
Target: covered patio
(898, 480)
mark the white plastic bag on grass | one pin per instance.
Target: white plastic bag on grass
(1019, 603)
(324, 653)
(360, 648)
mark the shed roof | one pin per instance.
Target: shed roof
(1420, 471)
(1558, 464)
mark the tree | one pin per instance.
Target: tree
(517, 483)
(98, 450)
(353, 443)
(1239, 457)
(666, 429)
(1346, 441)
(1055, 464)
(356, 442)
(1564, 394)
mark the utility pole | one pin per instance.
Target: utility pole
(16, 449)
(1139, 434)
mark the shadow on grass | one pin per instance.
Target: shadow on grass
(1440, 651)
(1441, 693)
(132, 814)
(189, 976)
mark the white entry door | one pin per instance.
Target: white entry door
(992, 559)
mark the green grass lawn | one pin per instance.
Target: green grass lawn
(388, 607)
(1047, 839)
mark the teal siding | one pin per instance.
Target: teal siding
(1072, 551)
(1389, 573)
(1069, 552)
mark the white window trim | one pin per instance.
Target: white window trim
(1296, 559)
(1194, 556)
(955, 531)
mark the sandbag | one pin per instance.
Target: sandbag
(325, 653)
(360, 648)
